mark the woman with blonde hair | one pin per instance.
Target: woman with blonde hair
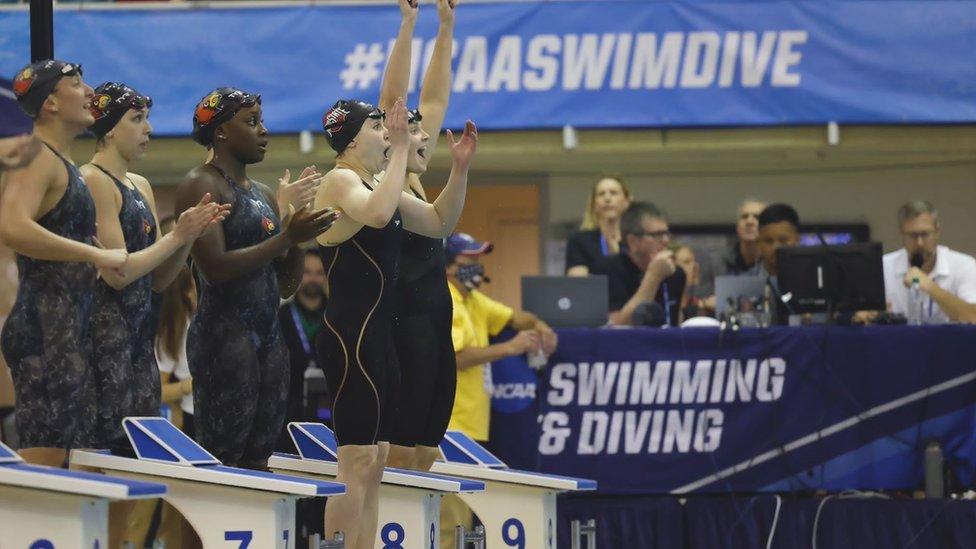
(599, 235)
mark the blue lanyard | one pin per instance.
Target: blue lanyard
(667, 304)
(604, 247)
(301, 333)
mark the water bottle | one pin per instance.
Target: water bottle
(537, 359)
(915, 304)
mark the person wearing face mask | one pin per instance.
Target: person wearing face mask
(599, 236)
(362, 253)
(477, 317)
(235, 350)
(47, 216)
(422, 327)
(946, 278)
(123, 327)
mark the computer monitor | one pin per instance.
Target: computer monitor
(736, 294)
(567, 301)
(831, 278)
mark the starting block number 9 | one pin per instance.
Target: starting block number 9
(386, 536)
(518, 540)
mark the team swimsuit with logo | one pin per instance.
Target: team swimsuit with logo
(356, 349)
(123, 331)
(46, 340)
(428, 368)
(234, 346)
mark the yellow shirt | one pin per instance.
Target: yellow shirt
(476, 317)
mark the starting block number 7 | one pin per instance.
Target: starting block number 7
(245, 537)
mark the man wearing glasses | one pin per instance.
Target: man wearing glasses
(946, 278)
(646, 272)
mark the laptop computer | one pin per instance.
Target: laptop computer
(738, 293)
(567, 301)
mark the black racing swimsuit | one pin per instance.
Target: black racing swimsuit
(356, 348)
(422, 334)
(123, 331)
(46, 340)
(234, 347)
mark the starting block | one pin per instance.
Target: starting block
(517, 508)
(48, 508)
(223, 504)
(409, 512)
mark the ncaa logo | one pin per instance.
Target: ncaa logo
(514, 384)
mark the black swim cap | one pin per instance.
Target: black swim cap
(112, 100)
(343, 121)
(218, 107)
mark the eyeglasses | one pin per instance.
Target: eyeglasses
(657, 235)
(924, 235)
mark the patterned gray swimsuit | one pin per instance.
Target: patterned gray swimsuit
(123, 331)
(234, 347)
(47, 337)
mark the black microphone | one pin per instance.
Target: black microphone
(917, 260)
(648, 313)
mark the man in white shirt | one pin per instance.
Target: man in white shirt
(946, 278)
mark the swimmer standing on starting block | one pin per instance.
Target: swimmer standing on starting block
(422, 327)
(361, 253)
(235, 351)
(47, 216)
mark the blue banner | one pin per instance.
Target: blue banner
(694, 410)
(548, 64)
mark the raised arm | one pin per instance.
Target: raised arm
(436, 90)
(23, 191)
(396, 78)
(438, 220)
(216, 262)
(343, 189)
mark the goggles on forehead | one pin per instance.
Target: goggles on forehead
(377, 114)
(243, 99)
(69, 69)
(132, 100)
(220, 106)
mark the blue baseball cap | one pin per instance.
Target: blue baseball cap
(464, 244)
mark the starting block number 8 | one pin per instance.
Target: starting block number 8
(386, 536)
(518, 540)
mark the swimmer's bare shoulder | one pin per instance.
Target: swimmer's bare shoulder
(337, 186)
